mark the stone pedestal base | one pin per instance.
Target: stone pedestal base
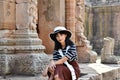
(98, 71)
(107, 52)
(85, 55)
(111, 60)
(25, 64)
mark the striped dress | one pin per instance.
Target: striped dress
(71, 53)
(61, 69)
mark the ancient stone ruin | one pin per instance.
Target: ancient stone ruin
(21, 50)
(85, 52)
(102, 20)
(107, 52)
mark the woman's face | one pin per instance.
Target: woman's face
(61, 37)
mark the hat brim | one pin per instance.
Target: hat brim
(53, 35)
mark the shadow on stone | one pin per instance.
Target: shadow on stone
(83, 74)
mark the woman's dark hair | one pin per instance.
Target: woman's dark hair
(68, 42)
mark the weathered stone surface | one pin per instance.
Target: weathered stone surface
(24, 41)
(85, 54)
(5, 33)
(91, 77)
(4, 64)
(51, 14)
(110, 75)
(98, 71)
(102, 2)
(107, 52)
(30, 64)
(103, 21)
(11, 1)
(27, 41)
(27, 64)
(6, 43)
(92, 71)
(24, 33)
(7, 15)
(118, 73)
(26, 16)
(31, 55)
(24, 1)
(70, 16)
(21, 50)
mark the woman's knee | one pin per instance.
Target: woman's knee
(56, 77)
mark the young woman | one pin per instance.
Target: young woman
(62, 63)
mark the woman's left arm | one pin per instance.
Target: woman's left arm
(71, 53)
(62, 60)
(52, 65)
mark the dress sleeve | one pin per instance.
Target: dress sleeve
(56, 55)
(71, 53)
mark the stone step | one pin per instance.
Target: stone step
(18, 77)
(20, 41)
(91, 71)
(98, 71)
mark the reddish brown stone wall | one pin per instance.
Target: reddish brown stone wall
(7, 15)
(51, 14)
(80, 19)
(70, 16)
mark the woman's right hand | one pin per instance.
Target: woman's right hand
(51, 67)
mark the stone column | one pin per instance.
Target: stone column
(70, 16)
(30, 56)
(26, 26)
(85, 53)
(22, 51)
(7, 27)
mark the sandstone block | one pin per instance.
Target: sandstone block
(51, 14)
(118, 74)
(110, 75)
(26, 16)
(7, 15)
(11, 1)
(29, 64)
(85, 55)
(24, 1)
(5, 33)
(91, 77)
(4, 64)
(25, 64)
(107, 52)
(22, 15)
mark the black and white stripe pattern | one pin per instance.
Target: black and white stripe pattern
(71, 53)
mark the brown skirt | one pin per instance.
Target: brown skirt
(64, 73)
